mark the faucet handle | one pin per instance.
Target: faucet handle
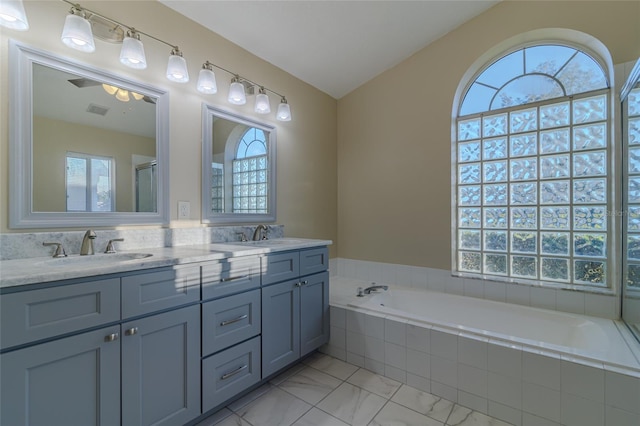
(242, 235)
(110, 247)
(59, 249)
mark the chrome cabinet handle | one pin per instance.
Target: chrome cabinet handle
(131, 331)
(305, 282)
(234, 372)
(241, 277)
(111, 337)
(298, 284)
(231, 321)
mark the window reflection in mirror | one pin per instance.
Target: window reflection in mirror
(630, 96)
(102, 132)
(87, 147)
(238, 181)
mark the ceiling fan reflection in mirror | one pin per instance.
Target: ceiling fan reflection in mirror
(121, 94)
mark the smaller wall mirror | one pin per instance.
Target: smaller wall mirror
(630, 97)
(238, 168)
(87, 148)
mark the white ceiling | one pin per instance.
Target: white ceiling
(334, 46)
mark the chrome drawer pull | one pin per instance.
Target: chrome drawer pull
(234, 372)
(231, 321)
(131, 331)
(111, 337)
(226, 280)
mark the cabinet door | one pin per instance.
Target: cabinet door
(71, 381)
(280, 326)
(161, 368)
(314, 312)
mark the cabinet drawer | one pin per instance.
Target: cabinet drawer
(230, 320)
(280, 267)
(39, 314)
(230, 276)
(230, 372)
(166, 288)
(314, 260)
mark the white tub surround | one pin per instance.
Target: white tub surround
(523, 365)
(595, 302)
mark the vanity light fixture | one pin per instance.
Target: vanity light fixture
(12, 15)
(262, 105)
(239, 89)
(177, 67)
(236, 92)
(207, 80)
(132, 52)
(284, 111)
(77, 32)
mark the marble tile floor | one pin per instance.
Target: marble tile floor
(324, 391)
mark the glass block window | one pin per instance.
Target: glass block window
(532, 170)
(217, 188)
(632, 166)
(250, 188)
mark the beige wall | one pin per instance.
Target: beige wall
(307, 152)
(394, 133)
(52, 139)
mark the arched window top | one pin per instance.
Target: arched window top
(533, 74)
(252, 144)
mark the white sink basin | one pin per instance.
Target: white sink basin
(94, 260)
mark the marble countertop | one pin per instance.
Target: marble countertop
(47, 269)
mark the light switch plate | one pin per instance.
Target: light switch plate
(184, 210)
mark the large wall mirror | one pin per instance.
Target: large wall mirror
(238, 168)
(630, 96)
(87, 148)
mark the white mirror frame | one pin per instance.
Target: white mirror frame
(208, 113)
(21, 214)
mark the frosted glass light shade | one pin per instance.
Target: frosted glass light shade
(177, 69)
(262, 104)
(284, 111)
(12, 15)
(122, 95)
(207, 82)
(132, 53)
(109, 88)
(236, 94)
(77, 34)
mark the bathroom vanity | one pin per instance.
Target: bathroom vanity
(162, 340)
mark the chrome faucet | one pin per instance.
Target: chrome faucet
(87, 243)
(374, 287)
(257, 233)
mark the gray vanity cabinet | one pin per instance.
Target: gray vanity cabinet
(161, 368)
(70, 381)
(141, 368)
(295, 313)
